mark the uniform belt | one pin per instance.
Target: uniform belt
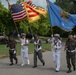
(12, 49)
(71, 51)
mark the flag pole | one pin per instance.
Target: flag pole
(28, 17)
(50, 18)
(52, 32)
(9, 5)
(30, 28)
(16, 27)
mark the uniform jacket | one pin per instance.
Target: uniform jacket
(56, 44)
(70, 44)
(12, 44)
(38, 45)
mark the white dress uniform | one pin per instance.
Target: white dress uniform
(24, 51)
(56, 46)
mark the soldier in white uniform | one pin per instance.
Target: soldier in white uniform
(56, 46)
(24, 49)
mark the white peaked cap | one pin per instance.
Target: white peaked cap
(23, 34)
(57, 35)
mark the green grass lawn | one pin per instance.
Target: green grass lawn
(64, 39)
(4, 51)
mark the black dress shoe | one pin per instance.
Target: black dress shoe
(34, 66)
(56, 71)
(43, 64)
(69, 71)
(11, 64)
(74, 68)
(16, 62)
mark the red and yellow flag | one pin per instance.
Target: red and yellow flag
(33, 12)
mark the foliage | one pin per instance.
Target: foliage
(19, 1)
(5, 19)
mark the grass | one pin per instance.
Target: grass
(64, 39)
(4, 51)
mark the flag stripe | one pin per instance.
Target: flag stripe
(17, 16)
(33, 15)
(30, 4)
(19, 13)
(30, 11)
(20, 18)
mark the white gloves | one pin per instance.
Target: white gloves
(35, 43)
(14, 52)
(55, 47)
(18, 35)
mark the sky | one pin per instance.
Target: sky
(41, 3)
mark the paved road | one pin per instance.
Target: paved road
(48, 69)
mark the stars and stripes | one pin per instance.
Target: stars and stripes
(18, 12)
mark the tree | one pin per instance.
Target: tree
(70, 5)
(6, 21)
(19, 1)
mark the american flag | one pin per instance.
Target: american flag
(18, 12)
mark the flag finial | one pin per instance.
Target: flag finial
(9, 5)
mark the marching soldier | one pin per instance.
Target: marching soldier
(38, 51)
(12, 50)
(56, 46)
(24, 48)
(70, 53)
